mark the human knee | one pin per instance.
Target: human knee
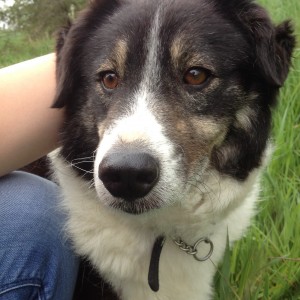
(32, 226)
(29, 206)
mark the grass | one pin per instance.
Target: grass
(265, 264)
(17, 46)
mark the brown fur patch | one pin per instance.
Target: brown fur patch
(205, 133)
(194, 136)
(117, 60)
(177, 50)
(181, 54)
(209, 129)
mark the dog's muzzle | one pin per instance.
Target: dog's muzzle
(129, 175)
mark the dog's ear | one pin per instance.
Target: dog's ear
(61, 36)
(273, 45)
(62, 91)
(69, 48)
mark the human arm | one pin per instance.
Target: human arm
(28, 126)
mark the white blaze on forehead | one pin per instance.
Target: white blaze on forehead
(151, 72)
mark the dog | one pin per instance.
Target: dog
(167, 120)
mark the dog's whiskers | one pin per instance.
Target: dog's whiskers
(80, 162)
(81, 169)
(92, 184)
(84, 158)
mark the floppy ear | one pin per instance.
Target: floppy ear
(69, 45)
(273, 45)
(59, 100)
(61, 36)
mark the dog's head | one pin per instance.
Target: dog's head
(159, 93)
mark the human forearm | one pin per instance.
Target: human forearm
(28, 126)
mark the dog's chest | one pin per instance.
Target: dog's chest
(180, 275)
(121, 253)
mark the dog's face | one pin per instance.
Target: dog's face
(160, 93)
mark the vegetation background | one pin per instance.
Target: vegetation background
(265, 264)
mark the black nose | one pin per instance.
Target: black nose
(129, 175)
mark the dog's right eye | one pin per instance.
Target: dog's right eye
(109, 80)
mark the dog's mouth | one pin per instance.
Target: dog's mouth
(135, 207)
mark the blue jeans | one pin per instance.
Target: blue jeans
(36, 260)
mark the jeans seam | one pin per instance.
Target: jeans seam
(20, 286)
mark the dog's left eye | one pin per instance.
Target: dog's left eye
(109, 79)
(196, 76)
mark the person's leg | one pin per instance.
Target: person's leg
(36, 261)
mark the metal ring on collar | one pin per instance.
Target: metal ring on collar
(207, 241)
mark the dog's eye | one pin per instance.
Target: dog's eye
(196, 76)
(110, 80)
